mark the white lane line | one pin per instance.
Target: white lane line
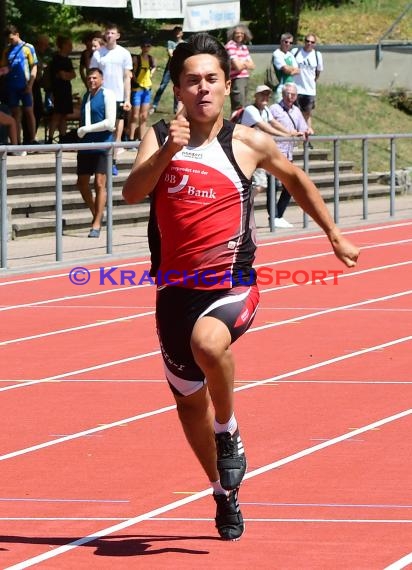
(345, 232)
(268, 290)
(295, 520)
(402, 563)
(146, 261)
(128, 288)
(66, 273)
(177, 504)
(71, 297)
(330, 253)
(125, 421)
(76, 328)
(253, 329)
(208, 520)
(86, 432)
(330, 310)
(80, 371)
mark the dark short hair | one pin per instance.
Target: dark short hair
(200, 43)
(10, 30)
(91, 70)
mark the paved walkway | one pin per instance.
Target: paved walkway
(38, 253)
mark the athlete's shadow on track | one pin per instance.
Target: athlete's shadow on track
(124, 545)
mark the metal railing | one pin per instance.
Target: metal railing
(59, 151)
(378, 53)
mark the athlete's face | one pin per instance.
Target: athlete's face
(203, 87)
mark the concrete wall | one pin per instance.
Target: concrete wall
(357, 65)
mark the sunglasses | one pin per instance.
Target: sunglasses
(309, 42)
(286, 41)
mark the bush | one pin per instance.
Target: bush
(401, 99)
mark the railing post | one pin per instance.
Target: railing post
(59, 205)
(3, 210)
(306, 169)
(336, 180)
(365, 178)
(393, 177)
(271, 201)
(109, 202)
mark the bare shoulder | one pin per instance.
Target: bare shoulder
(251, 147)
(252, 138)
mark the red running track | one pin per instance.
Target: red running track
(95, 470)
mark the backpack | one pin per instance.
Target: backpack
(137, 66)
(236, 116)
(271, 79)
(296, 51)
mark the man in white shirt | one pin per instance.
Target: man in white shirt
(285, 64)
(116, 64)
(259, 116)
(310, 63)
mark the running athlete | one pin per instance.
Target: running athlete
(198, 172)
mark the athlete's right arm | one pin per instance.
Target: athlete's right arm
(151, 160)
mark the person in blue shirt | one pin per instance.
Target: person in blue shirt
(19, 64)
(98, 121)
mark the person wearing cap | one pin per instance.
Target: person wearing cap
(290, 116)
(144, 66)
(258, 115)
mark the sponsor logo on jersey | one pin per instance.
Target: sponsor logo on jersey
(191, 191)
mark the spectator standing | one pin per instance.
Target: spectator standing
(61, 74)
(144, 66)
(241, 64)
(290, 116)
(98, 120)
(41, 102)
(116, 64)
(19, 60)
(310, 62)
(86, 55)
(259, 117)
(171, 45)
(284, 62)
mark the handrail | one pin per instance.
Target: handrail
(59, 149)
(378, 57)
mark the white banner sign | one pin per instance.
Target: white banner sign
(157, 9)
(200, 16)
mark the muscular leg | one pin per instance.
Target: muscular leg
(100, 200)
(210, 343)
(196, 417)
(85, 191)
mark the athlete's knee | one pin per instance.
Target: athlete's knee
(210, 341)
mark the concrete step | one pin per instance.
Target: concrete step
(44, 222)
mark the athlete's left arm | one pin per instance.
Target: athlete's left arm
(307, 196)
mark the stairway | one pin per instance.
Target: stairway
(31, 191)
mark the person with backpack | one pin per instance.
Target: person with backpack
(144, 66)
(284, 62)
(19, 66)
(310, 63)
(258, 116)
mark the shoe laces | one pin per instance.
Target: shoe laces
(225, 445)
